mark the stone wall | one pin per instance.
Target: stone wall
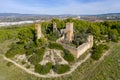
(77, 52)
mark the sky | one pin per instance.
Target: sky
(56, 7)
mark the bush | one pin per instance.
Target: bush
(41, 42)
(68, 56)
(38, 68)
(37, 57)
(43, 69)
(9, 64)
(6, 34)
(59, 69)
(113, 35)
(29, 52)
(98, 51)
(14, 50)
(26, 35)
(55, 46)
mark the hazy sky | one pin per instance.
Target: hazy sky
(60, 6)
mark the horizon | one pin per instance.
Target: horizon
(53, 7)
(61, 14)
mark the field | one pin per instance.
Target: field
(107, 69)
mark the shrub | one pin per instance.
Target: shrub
(41, 42)
(98, 51)
(29, 52)
(38, 68)
(6, 34)
(34, 59)
(46, 68)
(113, 35)
(14, 50)
(26, 35)
(68, 56)
(43, 69)
(9, 64)
(37, 57)
(61, 68)
(55, 46)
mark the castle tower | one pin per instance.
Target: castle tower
(54, 26)
(90, 40)
(69, 31)
(38, 29)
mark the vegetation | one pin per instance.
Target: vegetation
(55, 46)
(98, 51)
(104, 31)
(43, 69)
(26, 35)
(37, 57)
(61, 68)
(14, 50)
(67, 55)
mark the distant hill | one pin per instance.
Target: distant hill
(11, 17)
(19, 14)
(112, 14)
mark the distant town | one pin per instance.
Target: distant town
(7, 19)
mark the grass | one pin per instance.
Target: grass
(108, 69)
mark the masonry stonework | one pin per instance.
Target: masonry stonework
(68, 35)
(77, 52)
(69, 32)
(38, 30)
(54, 26)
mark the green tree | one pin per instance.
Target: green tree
(113, 35)
(26, 35)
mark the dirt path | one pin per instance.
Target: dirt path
(49, 75)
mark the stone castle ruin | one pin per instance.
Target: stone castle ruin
(38, 30)
(67, 34)
(54, 26)
(81, 49)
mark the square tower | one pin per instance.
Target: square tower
(69, 32)
(38, 30)
(54, 26)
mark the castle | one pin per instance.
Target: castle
(68, 35)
